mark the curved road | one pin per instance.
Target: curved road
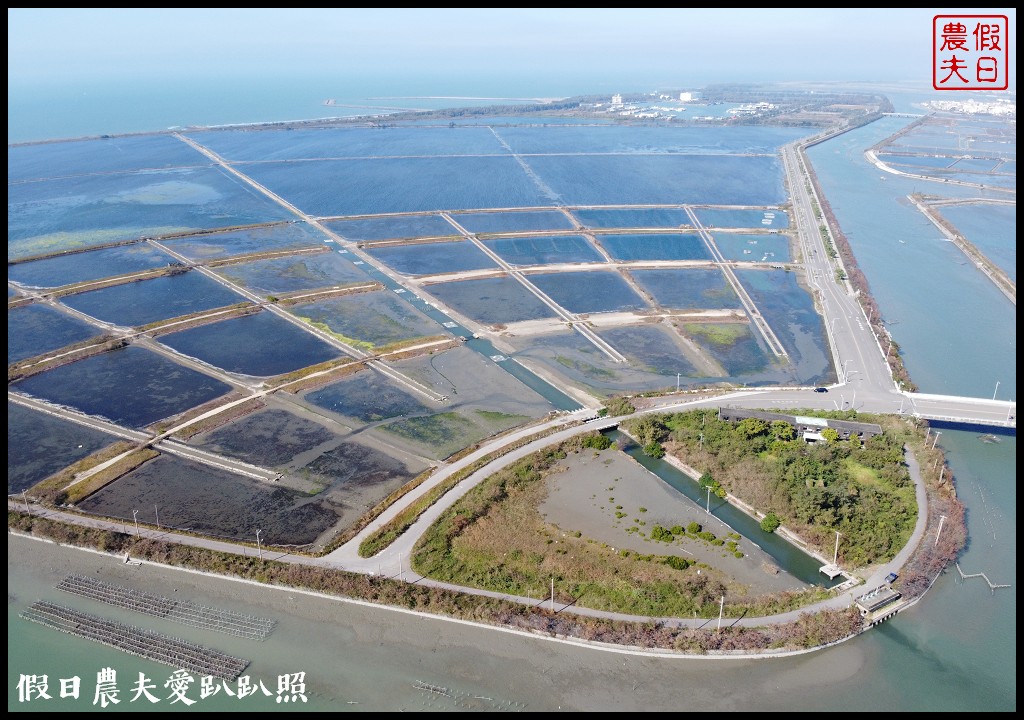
(393, 561)
(865, 384)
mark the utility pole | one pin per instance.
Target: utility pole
(835, 556)
(135, 516)
(936, 441)
(25, 498)
(678, 375)
(156, 510)
(721, 609)
(709, 500)
(939, 531)
(259, 548)
(996, 390)
(552, 594)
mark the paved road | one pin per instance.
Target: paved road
(394, 561)
(865, 384)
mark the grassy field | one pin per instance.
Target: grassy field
(495, 538)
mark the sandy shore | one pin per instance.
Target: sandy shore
(588, 494)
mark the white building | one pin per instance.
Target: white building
(616, 99)
(686, 97)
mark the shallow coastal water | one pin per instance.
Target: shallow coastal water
(375, 659)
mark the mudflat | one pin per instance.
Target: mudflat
(606, 496)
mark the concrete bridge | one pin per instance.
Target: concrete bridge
(967, 410)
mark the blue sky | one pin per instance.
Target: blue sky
(652, 46)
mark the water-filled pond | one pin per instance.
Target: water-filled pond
(491, 301)
(789, 310)
(622, 139)
(611, 218)
(282, 236)
(210, 501)
(770, 218)
(661, 246)
(545, 250)
(294, 272)
(522, 221)
(261, 344)
(589, 292)
(688, 289)
(131, 386)
(392, 228)
(433, 258)
(146, 301)
(348, 142)
(100, 155)
(661, 179)
(366, 396)
(92, 265)
(651, 348)
(369, 320)
(761, 247)
(87, 210)
(990, 228)
(40, 444)
(36, 329)
(368, 187)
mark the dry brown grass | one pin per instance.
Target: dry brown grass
(81, 490)
(221, 418)
(513, 549)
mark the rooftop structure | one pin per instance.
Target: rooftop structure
(809, 427)
(877, 599)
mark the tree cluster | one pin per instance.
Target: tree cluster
(863, 490)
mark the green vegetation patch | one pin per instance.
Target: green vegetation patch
(861, 489)
(495, 422)
(586, 369)
(720, 334)
(388, 533)
(443, 433)
(616, 407)
(495, 538)
(74, 240)
(352, 342)
(809, 631)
